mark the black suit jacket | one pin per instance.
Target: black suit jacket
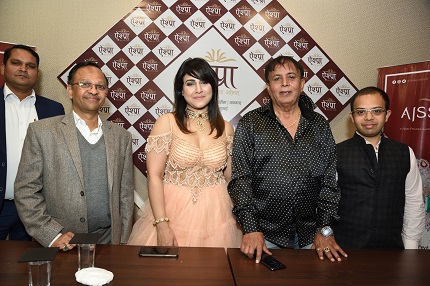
(45, 108)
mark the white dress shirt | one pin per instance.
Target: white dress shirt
(91, 136)
(18, 114)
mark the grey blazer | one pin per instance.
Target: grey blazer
(49, 186)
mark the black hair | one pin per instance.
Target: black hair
(281, 61)
(370, 90)
(73, 71)
(200, 69)
(8, 52)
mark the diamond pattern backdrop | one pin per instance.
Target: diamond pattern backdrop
(142, 52)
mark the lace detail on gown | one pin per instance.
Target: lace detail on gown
(159, 143)
(188, 165)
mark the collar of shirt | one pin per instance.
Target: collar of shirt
(367, 142)
(306, 106)
(376, 148)
(91, 136)
(7, 92)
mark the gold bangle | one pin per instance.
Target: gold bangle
(163, 219)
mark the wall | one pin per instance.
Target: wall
(358, 35)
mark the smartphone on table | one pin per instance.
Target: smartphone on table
(271, 262)
(159, 251)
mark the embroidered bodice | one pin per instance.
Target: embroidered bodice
(188, 165)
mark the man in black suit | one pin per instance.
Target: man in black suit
(19, 105)
(381, 204)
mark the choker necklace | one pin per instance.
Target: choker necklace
(200, 126)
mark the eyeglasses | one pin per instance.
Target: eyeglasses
(89, 85)
(373, 111)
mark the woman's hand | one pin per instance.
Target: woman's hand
(165, 235)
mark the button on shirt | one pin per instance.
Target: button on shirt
(19, 114)
(283, 186)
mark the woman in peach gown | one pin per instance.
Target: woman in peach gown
(189, 165)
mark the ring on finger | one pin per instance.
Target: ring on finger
(318, 249)
(326, 249)
(65, 248)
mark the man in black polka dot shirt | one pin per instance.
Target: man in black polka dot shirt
(283, 183)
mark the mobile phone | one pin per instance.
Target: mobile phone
(159, 251)
(271, 262)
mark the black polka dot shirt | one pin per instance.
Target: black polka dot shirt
(283, 186)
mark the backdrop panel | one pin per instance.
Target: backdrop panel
(142, 52)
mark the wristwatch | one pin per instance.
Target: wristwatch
(326, 231)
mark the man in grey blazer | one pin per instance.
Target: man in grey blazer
(76, 171)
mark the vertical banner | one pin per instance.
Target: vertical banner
(142, 52)
(408, 87)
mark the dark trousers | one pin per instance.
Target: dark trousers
(10, 224)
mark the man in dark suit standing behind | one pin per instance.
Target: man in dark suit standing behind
(19, 105)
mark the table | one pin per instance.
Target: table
(194, 266)
(211, 266)
(362, 267)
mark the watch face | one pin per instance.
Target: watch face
(327, 231)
